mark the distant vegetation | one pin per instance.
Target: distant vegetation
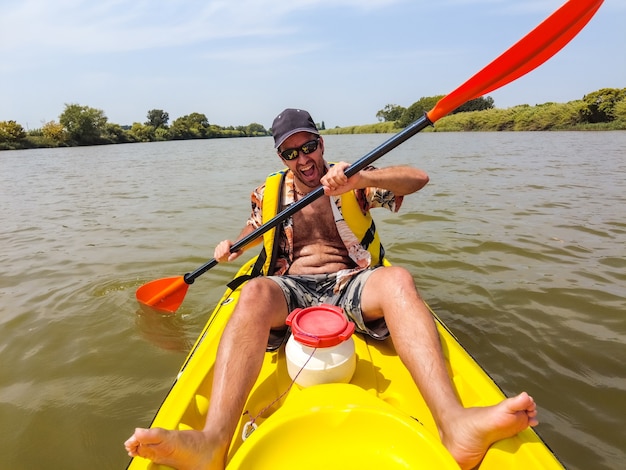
(83, 125)
(604, 109)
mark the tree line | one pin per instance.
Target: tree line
(402, 117)
(601, 109)
(84, 125)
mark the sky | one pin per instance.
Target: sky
(243, 61)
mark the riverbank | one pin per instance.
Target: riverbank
(519, 118)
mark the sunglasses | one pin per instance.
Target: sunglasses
(306, 148)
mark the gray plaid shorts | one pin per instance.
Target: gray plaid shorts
(303, 291)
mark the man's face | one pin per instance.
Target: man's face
(307, 168)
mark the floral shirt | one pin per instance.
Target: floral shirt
(367, 198)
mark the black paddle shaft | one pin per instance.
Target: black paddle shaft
(353, 169)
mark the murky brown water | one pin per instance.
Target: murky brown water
(518, 243)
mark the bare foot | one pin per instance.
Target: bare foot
(469, 437)
(183, 450)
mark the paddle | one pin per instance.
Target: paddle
(528, 53)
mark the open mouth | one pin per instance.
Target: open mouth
(308, 171)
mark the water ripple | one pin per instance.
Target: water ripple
(521, 256)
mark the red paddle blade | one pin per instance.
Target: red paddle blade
(164, 295)
(527, 54)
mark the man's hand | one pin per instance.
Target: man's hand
(335, 181)
(222, 252)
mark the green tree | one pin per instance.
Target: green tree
(620, 112)
(601, 104)
(161, 134)
(255, 129)
(115, 134)
(11, 132)
(84, 125)
(191, 126)
(142, 132)
(391, 112)
(417, 109)
(477, 104)
(157, 118)
(54, 132)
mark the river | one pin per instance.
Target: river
(518, 243)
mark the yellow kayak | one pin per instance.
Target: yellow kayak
(378, 420)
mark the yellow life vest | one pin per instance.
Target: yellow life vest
(362, 225)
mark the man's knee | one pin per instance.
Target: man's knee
(396, 276)
(265, 298)
(259, 288)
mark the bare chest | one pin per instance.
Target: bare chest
(315, 223)
(317, 246)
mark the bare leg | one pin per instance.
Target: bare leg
(237, 366)
(466, 432)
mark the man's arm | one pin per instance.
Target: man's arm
(400, 180)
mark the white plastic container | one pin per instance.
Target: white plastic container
(320, 349)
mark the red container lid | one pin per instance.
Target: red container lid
(322, 326)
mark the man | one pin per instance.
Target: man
(319, 257)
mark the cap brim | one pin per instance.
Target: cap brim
(295, 131)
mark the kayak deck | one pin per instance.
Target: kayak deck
(378, 420)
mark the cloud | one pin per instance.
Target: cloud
(260, 54)
(81, 26)
(195, 55)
